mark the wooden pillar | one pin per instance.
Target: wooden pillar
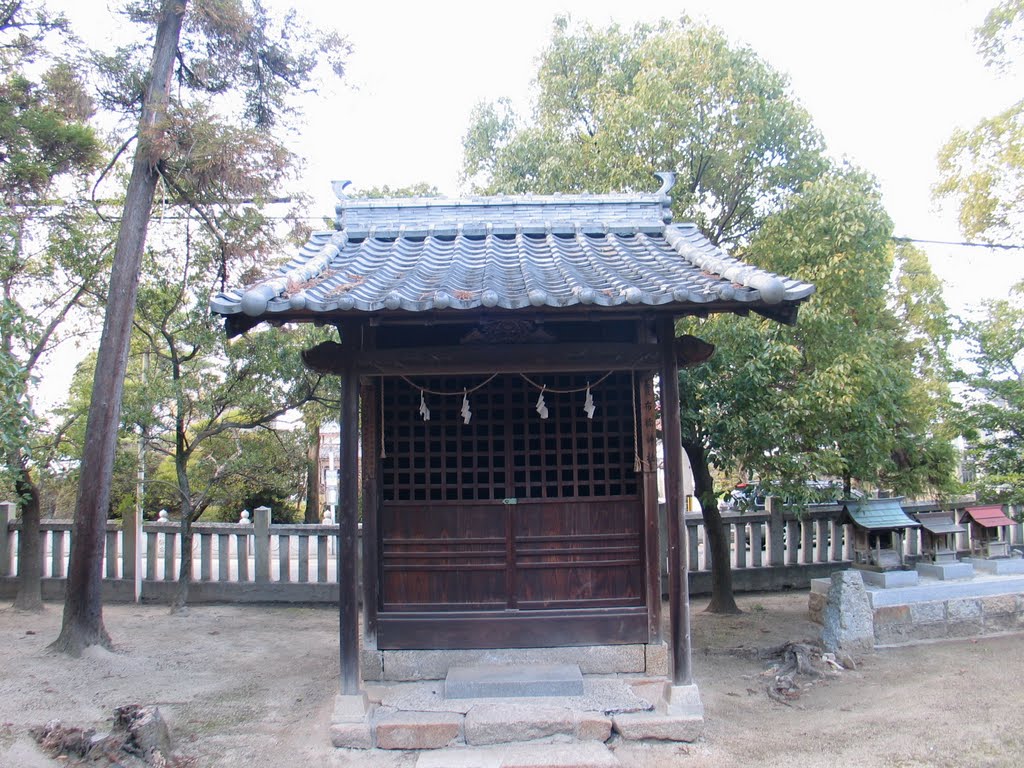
(348, 513)
(371, 448)
(648, 449)
(678, 585)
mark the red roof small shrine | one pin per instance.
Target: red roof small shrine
(988, 516)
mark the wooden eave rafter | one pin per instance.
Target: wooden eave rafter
(330, 357)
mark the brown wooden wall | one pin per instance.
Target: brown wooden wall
(512, 529)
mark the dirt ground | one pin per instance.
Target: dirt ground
(254, 686)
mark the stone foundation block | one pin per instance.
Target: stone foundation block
(890, 579)
(502, 723)
(963, 609)
(406, 666)
(927, 613)
(998, 605)
(350, 708)
(641, 726)
(371, 664)
(892, 615)
(816, 607)
(965, 628)
(685, 701)
(352, 735)
(653, 691)
(656, 658)
(418, 730)
(1003, 566)
(946, 571)
(848, 621)
(497, 681)
(894, 634)
(588, 755)
(930, 631)
(1001, 622)
(591, 726)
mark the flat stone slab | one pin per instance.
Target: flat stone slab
(417, 730)
(603, 695)
(504, 723)
(508, 680)
(982, 585)
(406, 666)
(945, 571)
(890, 579)
(639, 727)
(999, 566)
(588, 755)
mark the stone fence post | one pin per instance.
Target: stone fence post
(777, 548)
(261, 542)
(6, 515)
(129, 538)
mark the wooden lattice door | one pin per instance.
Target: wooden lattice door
(509, 517)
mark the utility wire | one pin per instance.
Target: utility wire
(960, 244)
(895, 239)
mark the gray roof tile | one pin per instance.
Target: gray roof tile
(420, 255)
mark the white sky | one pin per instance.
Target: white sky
(885, 80)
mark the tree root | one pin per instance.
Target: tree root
(795, 666)
(139, 738)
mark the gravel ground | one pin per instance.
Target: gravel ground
(254, 686)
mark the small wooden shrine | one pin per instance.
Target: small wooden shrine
(879, 527)
(938, 536)
(988, 526)
(497, 361)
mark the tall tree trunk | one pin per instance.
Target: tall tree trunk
(313, 476)
(180, 601)
(83, 607)
(30, 557)
(722, 598)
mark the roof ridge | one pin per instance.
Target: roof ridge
(641, 208)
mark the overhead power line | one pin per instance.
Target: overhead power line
(961, 244)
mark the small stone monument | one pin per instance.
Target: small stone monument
(849, 623)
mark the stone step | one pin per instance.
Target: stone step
(511, 722)
(417, 730)
(489, 681)
(586, 755)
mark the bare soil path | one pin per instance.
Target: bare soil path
(253, 686)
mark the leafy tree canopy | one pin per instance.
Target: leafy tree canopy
(615, 105)
(982, 169)
(994, 408)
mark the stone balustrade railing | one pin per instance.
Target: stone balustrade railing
(259, 561)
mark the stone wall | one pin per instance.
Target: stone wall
(947, 616)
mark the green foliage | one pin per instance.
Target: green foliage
(199, 396)
(615, 105)
(1001, 30)
(50, 254)
(419, 189)
(24, 26)
(841, 394)
(982, 169)
(994, 408)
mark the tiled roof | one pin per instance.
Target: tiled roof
(878, 514)
(939, 522)
(988, 515)
(425, 254)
